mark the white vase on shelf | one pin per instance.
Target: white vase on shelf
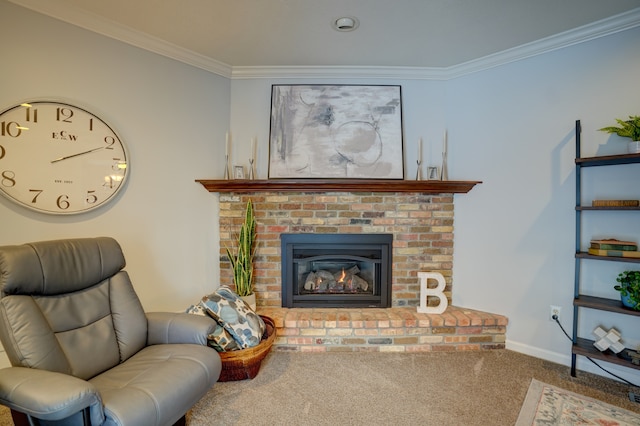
(633, 147)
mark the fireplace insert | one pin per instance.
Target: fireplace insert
(336, 270)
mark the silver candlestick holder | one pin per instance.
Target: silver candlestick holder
(226, 167)
(444, 173)
(252, 170)
(419, 171)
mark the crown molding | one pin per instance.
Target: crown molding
(106, 27)
(351, 72)
(100, 25)
(602, 28)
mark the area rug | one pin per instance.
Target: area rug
(549, 405)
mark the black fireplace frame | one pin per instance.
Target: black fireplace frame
(301, 242)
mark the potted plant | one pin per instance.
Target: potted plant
(628, 129)
(629, 289)
(242, 261)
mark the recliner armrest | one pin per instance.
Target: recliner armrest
(48, 395)
(168, 327)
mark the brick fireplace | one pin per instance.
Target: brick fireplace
(421, 223)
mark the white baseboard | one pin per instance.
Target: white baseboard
(583, 364)
(559, 358)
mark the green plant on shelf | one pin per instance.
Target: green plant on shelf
(629, 288)
(628, 128)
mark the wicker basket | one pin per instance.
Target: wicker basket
(245, 363)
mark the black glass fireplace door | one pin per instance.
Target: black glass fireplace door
(336, 270)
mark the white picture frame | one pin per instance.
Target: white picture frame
(238, 172)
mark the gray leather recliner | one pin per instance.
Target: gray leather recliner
(81, 347)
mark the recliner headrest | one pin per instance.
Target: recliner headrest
(58, 266)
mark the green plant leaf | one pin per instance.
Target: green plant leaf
(242, 262)
(629, 286)
(628, 128)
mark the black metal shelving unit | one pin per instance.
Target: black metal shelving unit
(582, 346)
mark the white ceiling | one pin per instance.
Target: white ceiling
(434, 34)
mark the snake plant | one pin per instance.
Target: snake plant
(242, 261)
(628, 129)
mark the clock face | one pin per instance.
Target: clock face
(58, 158)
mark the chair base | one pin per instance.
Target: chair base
(21, 419)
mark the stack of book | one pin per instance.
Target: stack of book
(614, 248)
(615, 203)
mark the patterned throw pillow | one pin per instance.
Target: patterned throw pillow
(238, 319)
(220, 339)
(197, 310)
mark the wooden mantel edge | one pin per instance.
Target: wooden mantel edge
(339, 185)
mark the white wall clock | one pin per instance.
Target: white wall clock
(58, 158)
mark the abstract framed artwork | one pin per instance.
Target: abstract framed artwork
(336, 131)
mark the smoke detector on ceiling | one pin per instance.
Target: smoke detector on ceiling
(346, 23)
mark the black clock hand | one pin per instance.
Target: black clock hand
(75, 155)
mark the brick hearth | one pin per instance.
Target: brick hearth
(400, 329)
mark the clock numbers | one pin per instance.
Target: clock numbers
(108, 182)
(109, 140)
(64, 114)
(91, 197)
(118, 165)
(91, 124)
(11, 128)
(8, 178)
(32, 114)
(37, 193)
(62, 202)
(2, 152)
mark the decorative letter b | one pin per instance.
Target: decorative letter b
(437, 292)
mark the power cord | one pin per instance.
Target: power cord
(555, 318)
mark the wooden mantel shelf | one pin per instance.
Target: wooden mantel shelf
(339, 185)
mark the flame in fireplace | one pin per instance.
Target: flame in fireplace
(347, 283)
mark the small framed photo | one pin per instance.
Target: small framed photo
(238, 172)
(433, 173)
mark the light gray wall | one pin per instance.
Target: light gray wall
(509, 126)
(512, 127)
(173, 118)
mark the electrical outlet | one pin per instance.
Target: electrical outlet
(554, 310)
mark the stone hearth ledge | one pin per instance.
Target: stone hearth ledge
(397, 329)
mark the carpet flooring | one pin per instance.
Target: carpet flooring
(367, 388)
(378, 388)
